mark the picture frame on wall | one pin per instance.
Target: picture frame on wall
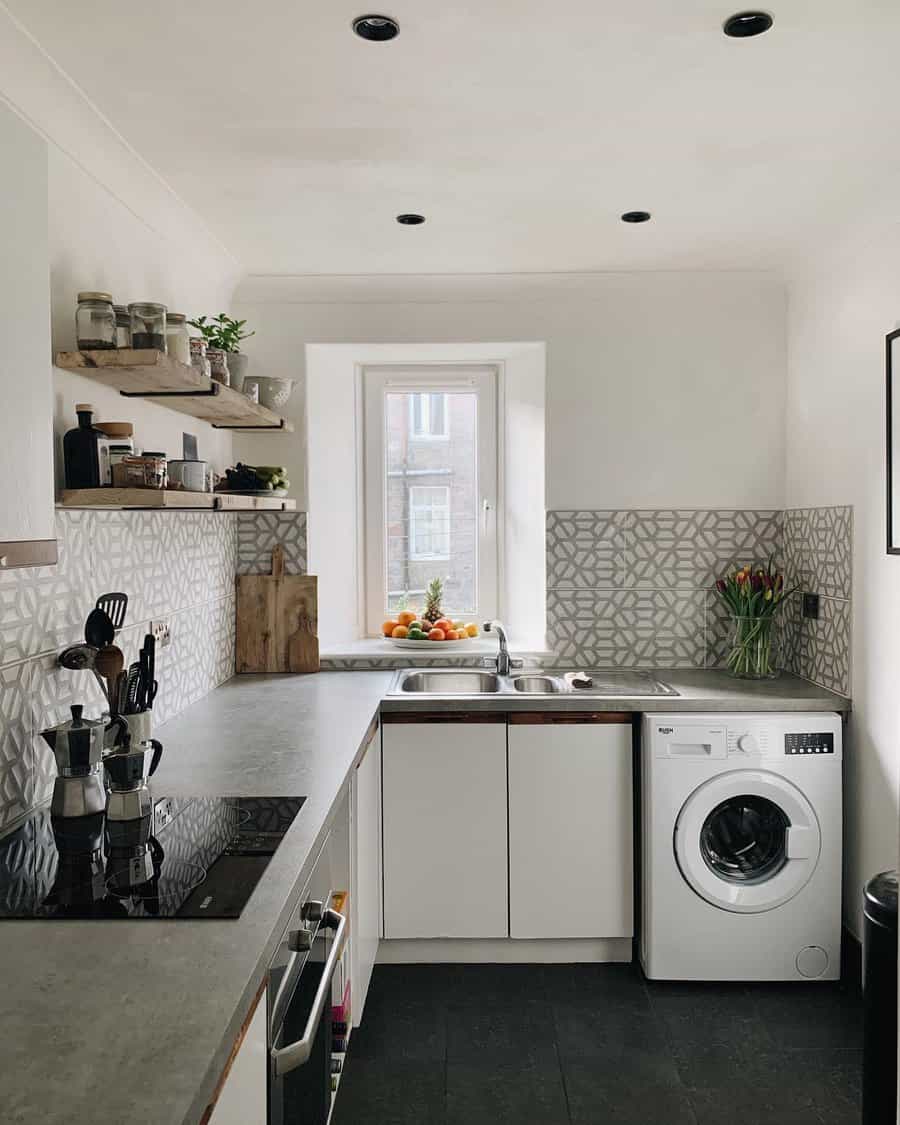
(892, 362)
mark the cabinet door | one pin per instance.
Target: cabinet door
(27, 536)
(570, 828)
(365, 884)
(445, 850)
(243, 1098)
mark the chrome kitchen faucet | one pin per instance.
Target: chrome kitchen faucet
(503, 659)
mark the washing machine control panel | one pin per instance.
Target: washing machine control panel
(741, 742)
(818, 742)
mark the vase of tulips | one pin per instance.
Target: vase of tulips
(753, 596)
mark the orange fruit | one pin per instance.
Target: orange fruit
(436, 634)
(388, 628)
(472, 630)
(452, 635)
(400, 631)
(406, 617)
(444, 624)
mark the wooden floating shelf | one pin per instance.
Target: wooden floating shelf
(147, 373)
(172, 499)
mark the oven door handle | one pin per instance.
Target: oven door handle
(295, 1054)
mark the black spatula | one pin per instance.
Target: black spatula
(114, 606)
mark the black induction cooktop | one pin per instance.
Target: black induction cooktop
(190, 858)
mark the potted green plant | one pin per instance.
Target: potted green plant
(226, 333)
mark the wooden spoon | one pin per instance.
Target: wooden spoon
(109, 663)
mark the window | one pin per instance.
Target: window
(428, 416)
(429, 523)
(430, 506)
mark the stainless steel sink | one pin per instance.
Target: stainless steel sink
(624, 684)
(451, 682)
(538, 685)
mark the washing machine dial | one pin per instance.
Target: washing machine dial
(747, 743)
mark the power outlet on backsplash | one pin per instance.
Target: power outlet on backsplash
(162, 632)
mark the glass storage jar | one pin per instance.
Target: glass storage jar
(147, 470)
(157, 468)
(95, 322)
(198, 356)
(218, 362)
(178, 342)
(123, 326)
(148, 325)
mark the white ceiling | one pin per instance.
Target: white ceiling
(521, 129)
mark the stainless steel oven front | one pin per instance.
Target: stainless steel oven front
(299, 1006)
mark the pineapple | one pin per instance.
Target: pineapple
(433, 595)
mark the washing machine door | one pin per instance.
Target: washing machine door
(747, 841)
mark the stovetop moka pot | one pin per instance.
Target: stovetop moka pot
(77, 745)
(128, 771)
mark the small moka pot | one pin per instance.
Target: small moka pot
(128, 771)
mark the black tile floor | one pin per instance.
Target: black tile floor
(590, 1044)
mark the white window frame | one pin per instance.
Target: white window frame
(428, 434)
(377, 382)
(415, 556)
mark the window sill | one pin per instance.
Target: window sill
(374, 652)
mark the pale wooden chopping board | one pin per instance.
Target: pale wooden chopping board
(277, 620)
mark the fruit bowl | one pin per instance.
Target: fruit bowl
(408, 631)
(405, 642)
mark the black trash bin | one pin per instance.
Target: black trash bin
(879, 1103)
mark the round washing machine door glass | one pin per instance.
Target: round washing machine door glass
(747, 841)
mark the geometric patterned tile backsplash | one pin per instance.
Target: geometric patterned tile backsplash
(629, 628)
(177, 565)
(633, 587)
(818, 550)
(818, 555)
(257, 534)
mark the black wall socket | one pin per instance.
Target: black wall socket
(811, 606)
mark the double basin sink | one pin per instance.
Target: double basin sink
(464, 681)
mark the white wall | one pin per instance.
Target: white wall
(115, 225)
(654, 381)
(839, 312)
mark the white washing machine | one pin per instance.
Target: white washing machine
(741, 847)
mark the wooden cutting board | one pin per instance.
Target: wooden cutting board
(277, 620)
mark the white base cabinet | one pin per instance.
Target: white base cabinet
(365, 874)
(243, 1099)
(445, 828)
(570, 827)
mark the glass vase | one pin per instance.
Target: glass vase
(754, 648)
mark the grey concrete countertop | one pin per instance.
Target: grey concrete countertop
(133, 1020)
(699, 690)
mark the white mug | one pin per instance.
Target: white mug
(190, 475)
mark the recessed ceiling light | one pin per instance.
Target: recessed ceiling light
(376, 28)
(411, 220)
(743, 25)
(636, 217)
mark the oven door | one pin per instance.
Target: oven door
(299, 1011)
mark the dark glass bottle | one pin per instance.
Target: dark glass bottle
(80, 451)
